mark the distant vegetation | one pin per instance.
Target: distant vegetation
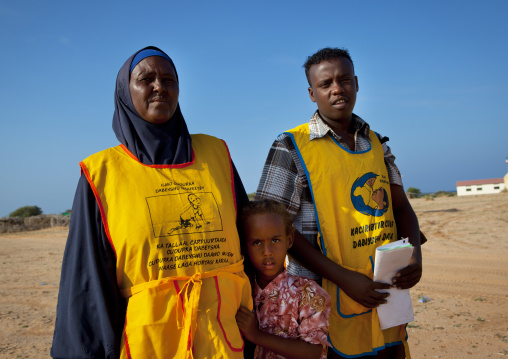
(431, 196)
(251, 196)
(414, 191)
(26, 211)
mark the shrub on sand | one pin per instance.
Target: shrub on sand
(26, 211)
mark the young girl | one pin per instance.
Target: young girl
(292, 312)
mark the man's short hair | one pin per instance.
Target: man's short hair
(327, 53)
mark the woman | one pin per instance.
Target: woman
(152, 266)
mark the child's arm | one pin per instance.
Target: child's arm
(407, 227)
(290, 348)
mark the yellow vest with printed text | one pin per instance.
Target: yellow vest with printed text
(351, 194)
(178, 259)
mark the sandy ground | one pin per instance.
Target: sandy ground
(465, 277)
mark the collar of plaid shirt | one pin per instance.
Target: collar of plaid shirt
(318, 128)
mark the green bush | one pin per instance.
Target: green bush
(417, 193)
(27, 211)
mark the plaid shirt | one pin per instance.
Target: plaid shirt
(283, 179)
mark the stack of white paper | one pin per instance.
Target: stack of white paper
(390, 258)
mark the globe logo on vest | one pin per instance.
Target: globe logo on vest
(368, 197)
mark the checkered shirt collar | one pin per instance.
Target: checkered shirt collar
(318, 128)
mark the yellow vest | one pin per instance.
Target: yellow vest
(178, 259)
(351, 194)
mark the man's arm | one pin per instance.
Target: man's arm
(406, 221)
(279, 181)
(407, 227)
(359, 287)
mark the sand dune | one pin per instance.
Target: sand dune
(465, 277)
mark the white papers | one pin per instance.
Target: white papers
(390, 258)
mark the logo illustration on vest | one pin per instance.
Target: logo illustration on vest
(184, 213)
(192, 215)
(368, 199)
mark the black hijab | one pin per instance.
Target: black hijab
(163, 144)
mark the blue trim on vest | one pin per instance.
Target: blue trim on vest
(372, 353)
(323, 248)
(338, 301)
(387, 345)
(347, 316)
(349, 151)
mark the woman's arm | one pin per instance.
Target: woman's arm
(90, 311)
(240, 193)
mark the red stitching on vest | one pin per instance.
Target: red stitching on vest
(98, 199)
(127, 349)
(180, 165)
(218, 319)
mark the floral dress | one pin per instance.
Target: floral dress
(292, 307)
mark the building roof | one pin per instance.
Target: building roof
(478, 182)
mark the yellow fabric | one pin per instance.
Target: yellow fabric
(173, 229)
(351, 192)
(406, 349)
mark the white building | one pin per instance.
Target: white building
(486, 186)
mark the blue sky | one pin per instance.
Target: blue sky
(432, 77)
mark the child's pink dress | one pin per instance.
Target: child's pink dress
(292, 307)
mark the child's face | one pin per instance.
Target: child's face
(333, 89)
(267, 243)
(194, 200)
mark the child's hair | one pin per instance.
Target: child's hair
(327, 53)
(266, 206)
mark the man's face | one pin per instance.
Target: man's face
(333, 87)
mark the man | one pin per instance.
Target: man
(314, 170)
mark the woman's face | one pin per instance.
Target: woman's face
(154, 89)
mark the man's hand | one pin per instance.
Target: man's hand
(409, 276)
(247, 324)
(362, 290)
